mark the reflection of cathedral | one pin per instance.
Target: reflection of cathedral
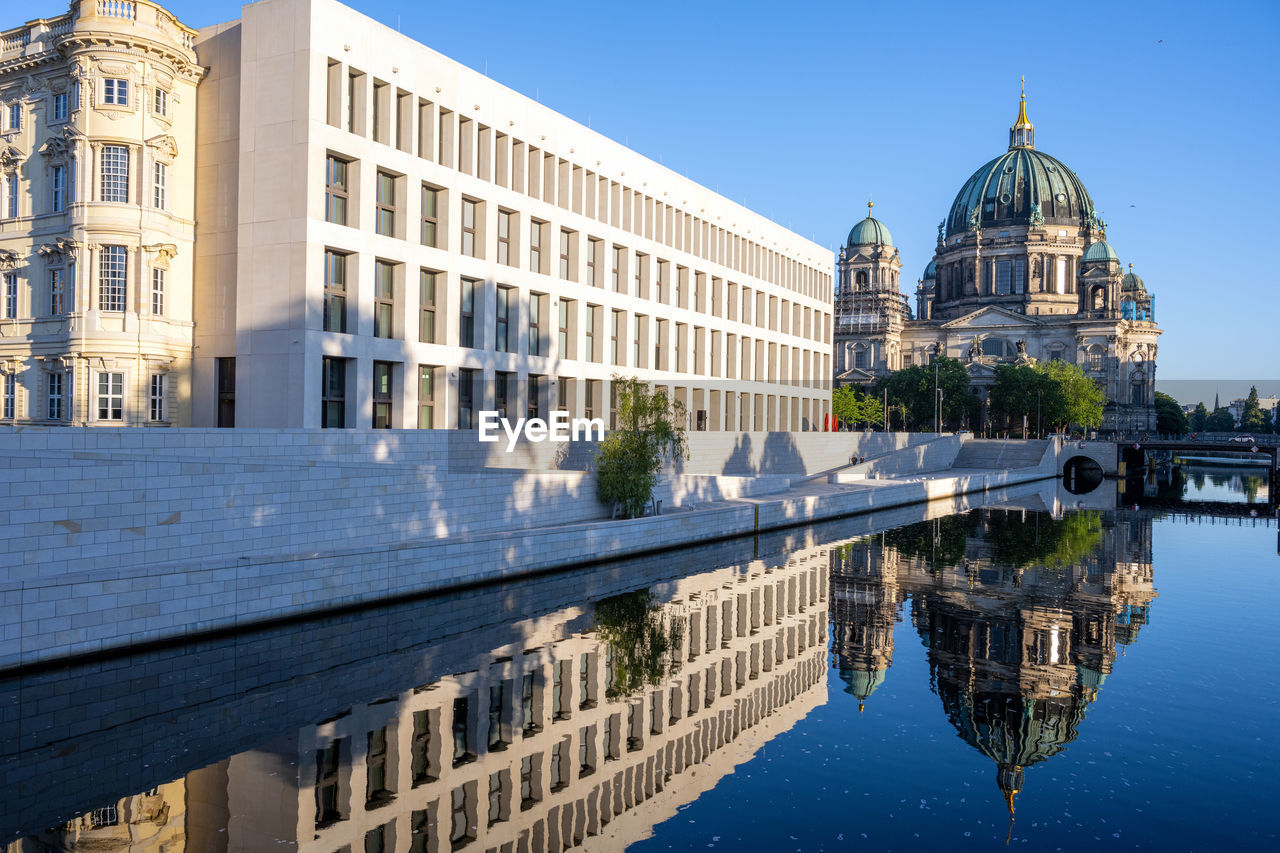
(527, 751)
(1020, 612)
(1022, 271)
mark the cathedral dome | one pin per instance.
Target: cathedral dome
(1131, 281)
(931, 271)
(1023, 186)
(1100, 250)
(869, 232)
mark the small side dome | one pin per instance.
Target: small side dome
(869, 232)
(931, 271)
(1131, 281)
(1100, 251)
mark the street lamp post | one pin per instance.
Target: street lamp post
(1039, 434)
(937, 402)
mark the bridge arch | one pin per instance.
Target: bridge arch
(1081, 474)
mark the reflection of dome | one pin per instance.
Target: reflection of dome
(1005, 190)
(1099, 250)
(861, 683)
(1090, 679)
(869, 232)
(1129, 621)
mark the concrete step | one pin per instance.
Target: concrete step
(1000, 453)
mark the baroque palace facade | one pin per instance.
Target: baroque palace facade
(1022, 272)
(375, 236)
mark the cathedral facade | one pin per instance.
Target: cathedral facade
(1022, 272)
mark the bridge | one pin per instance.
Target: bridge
(1122, 458)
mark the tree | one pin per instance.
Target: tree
(1169, 415)
(1014, 394)
(1069, 397)
(911, 390)
(1220, 421)
(854, 407)
(644, 643)
(1251, 419)
(1199, 418)
(651, 429)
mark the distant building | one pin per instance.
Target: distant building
(1022, 272)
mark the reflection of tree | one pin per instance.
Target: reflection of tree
(1055, 544)
(940, 542)
(643, 643)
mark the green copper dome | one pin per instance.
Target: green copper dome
(931, 271)
(1099, 251)
(869, 232)
(1131, 281)
(1017, 187)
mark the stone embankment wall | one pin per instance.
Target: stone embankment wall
(116, 537)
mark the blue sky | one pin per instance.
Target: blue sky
(1168, 112)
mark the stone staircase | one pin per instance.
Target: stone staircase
(1000, 454)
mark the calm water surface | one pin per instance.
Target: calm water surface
(1053, 672)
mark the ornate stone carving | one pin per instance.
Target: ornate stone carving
(11, 157)
(165, 147)
(9, 259)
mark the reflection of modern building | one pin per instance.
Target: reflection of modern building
(1022, 271)
(529, 751)
(1021, 614)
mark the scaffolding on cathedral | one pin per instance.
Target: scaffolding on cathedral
(860, 310)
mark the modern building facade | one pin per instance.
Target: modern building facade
(388, 238)
(305, 219)
(97, 209)
(1022, 272)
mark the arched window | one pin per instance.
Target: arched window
(862, 357)
(993, 346)
(1095, 357)
(1098, 298)
(861, 277)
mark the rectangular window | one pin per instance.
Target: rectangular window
(15, 116)
(430, 216)
(115, 173)
(593, 246)
(463, 750)
(225, 381)
(469, 228)
(111, 278)
(502, 324)
(11, 197)
(535, 246)
(426, 396)
(11, 295)
(378, 788)
(562, 335)
(566, 238)
(502, 387)
(534, 387)
(155, 398)
(615, 331)
(535, 324)
(115, 91)
(386, 205)
(58, 188)
(427, 306)
(466, 397)
(60, 106)
(335, 291)
(1020, 275)
(635, 342)
(335, 190)
(160, 103)
(110, 396)
(384, 306)
(615, 269)
(591, 332)
(467, 314)
(333, 394)
(505, 219)
(10, 396)
(1004, 277)
(56, 410)
(57, 291)
(382, 395)
(157, 292)
(328, 765)
(160, 186)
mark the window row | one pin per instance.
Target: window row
(113, 184)
(47, 397)
(114, 92)
(54, 297)
(572, 256)
(375, 109)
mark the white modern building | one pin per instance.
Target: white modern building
(387, 238)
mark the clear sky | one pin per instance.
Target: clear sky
(1167, 111)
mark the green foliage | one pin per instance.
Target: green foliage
(651, 429)
(1169, 415)
(1043, 541)
(939, 543)
(1062, 391)
(1199, 418)
(643, 645)
(912, 396)
(1220, 421)
(1251, 419)
(856, 408)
